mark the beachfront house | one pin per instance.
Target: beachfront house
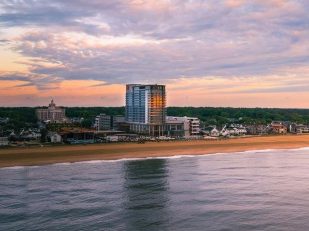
(54, 137)
(302, 129)
(278, 128)
(211, 131)
(30, 134)
(258, 129)
(298, 128)
(233, 130)
(214, 132)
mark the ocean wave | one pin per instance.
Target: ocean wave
(20, 167)
(15, 167)
(301, 149)
(60, 164)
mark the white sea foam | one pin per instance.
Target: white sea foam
(21, 167)
(14, 167)
(60, 164)
(301, 149)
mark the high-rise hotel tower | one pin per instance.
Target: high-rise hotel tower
(146, 108)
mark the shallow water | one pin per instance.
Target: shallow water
(262, 190)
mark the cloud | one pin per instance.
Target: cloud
(4, 42)
(117, 42)
(42, 82)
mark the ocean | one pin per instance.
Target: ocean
(255, 190)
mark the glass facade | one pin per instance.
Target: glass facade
(145, 104)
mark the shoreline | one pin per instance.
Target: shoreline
(34, 156)
(156, 157)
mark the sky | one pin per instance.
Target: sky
(228, 53)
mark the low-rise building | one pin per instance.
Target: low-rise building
(278, 128)
(153, 130)
(298, 128)
(233, 130)
(4, 141)
(77, 135)
(214, 132)
(122, 138)
(258, 129)
(30, 134)
(211, 131)
(76, 120)
(302, 129)
(176, 128)
(4, 120)
(54, 137)
(190, 125)
(105, 122)
(118, 120)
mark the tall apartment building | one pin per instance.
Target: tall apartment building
(52, 114)
(145, 108)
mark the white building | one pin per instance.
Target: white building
(4, 141)
(211, 131)
(191, 125)
(214, 132)
(233, 130)
(51, 114)
(54, 137)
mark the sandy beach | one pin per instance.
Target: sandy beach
(75, 153)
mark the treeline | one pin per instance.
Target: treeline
(210, 115)
(20, 117)
(89, 113)
(25, 116)
(220, 116)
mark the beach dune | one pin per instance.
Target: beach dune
(75, 153)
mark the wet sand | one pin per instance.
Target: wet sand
(24, 156)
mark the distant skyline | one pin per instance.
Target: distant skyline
(229, 53)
